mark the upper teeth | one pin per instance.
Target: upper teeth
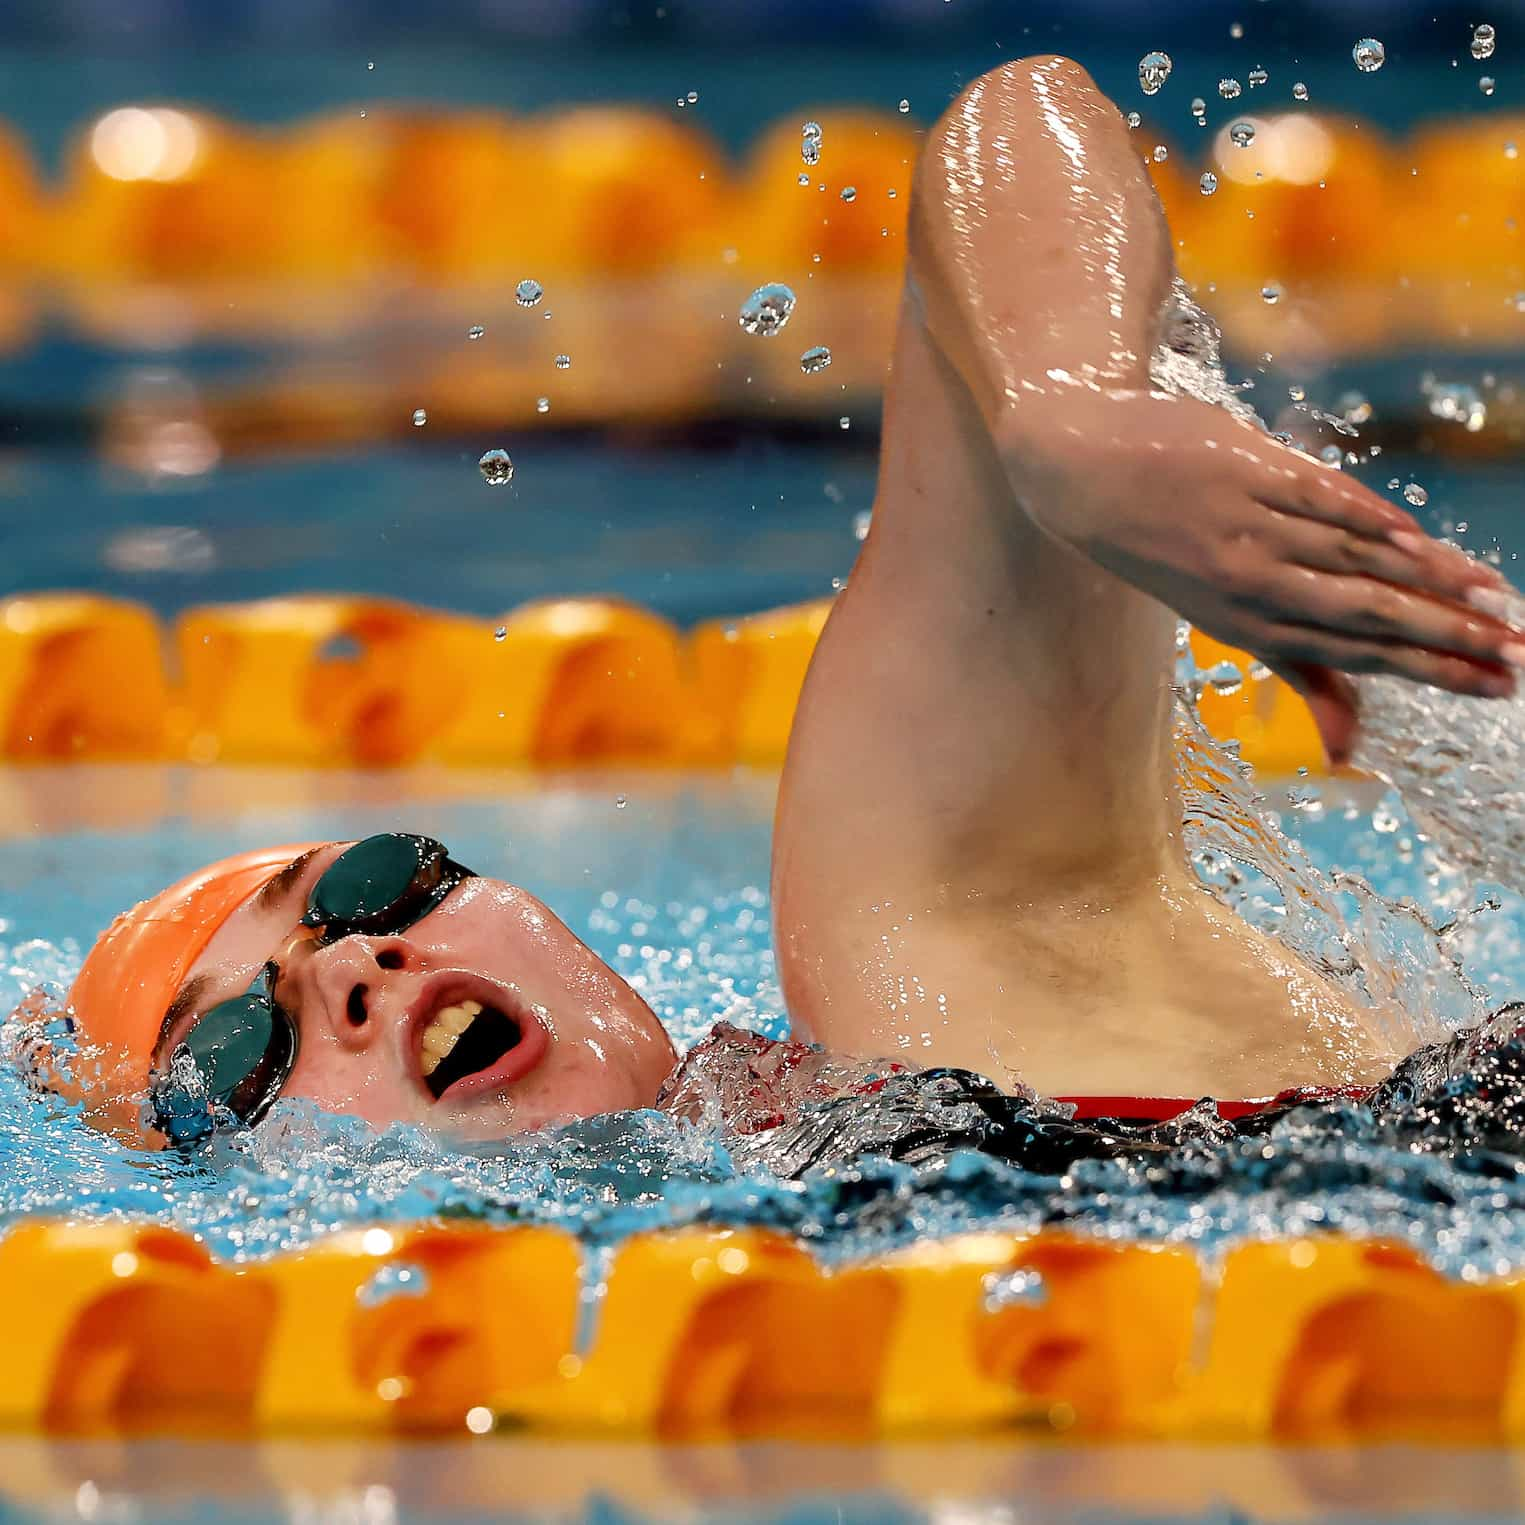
(445, 1026)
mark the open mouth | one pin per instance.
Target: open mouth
(465, 1039)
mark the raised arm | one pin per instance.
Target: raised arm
(1044, 263)
(983, 751)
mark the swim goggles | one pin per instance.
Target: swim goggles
(244, 1048)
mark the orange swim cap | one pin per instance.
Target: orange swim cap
(134, 971)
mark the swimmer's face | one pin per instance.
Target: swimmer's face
(386, 1025)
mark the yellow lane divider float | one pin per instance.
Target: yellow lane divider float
(132, 1328)
(349, 681)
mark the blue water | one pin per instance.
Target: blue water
(693, 533)
(671, 890)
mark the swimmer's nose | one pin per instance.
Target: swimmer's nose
(352, 985)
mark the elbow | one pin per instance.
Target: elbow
(1023, 86)
(1015, 104)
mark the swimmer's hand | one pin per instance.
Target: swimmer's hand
(1261, 547)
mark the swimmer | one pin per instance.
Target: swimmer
(978, 857)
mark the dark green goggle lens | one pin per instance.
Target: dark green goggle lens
(244, 1050)
(379, 878)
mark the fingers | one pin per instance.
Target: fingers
(1331, 699)
(1320, 494)
(1303, 487)
(1426, 566)
(1365, 606)
(1292, 645)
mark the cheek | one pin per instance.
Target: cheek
(364, 1085)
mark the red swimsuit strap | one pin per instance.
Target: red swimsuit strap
(1159, 1109)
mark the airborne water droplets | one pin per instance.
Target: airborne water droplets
(810, 143)
(528, 292)
(1369, 55)
(1483, 40)
(1229, 89)
(816, 358)
(1415, 494)
(1153, 71)
(1242, 134)
(767, 310)
(497, 467)
(475, 331)
(1208, 182)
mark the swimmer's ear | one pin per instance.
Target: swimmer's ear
(1332, 698)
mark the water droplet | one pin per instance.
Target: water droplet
(1161, 153)
(1332, 455)
(1483, 41)
(1225, 678)
(844, 422)
(1013, 1289)
(1355, 408)
(563, 361)
(1153, 71)
(1369, 55)
(904, 107)
(1299, 91)
(693, 97)
(1236, 30)
(816, 358)
(1229, 89)
(501, 633)
(1134, 119)
(810, 143)
(1518, 299)
(1257, 76)
(1270, 293)
(1485, 84)
(475, 331)
(1458, 402)
(371, 64)
(528, 292)
(542, 404)
(1384, 819)
(767, 310)
(1199, 110)
(1208, 182)
(620, 802)
(497, 467)
(861, 522)
(849, 193)
(396, 1279)
(1296, 393)
(420, 418)
(1510, 151)
(1415, 494)
(1242, 134)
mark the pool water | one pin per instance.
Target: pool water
(670, 888)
